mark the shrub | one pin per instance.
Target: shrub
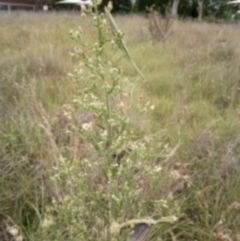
(159, 25)
(118, 177)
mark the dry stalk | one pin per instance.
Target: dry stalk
(159, 26)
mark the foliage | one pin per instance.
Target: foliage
(213, 9)
(189, 8)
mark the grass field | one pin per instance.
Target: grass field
(192, 132)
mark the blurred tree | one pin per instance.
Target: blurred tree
(216, 8)
(174, 11)
(188, 8)
(161, 5)
(211, 9)
(200, 9)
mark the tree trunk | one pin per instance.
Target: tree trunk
(174, 12)
(200, 10)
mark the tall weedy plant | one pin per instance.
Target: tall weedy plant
(116, 178)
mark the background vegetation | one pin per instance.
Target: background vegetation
(210, 10)
(181, 153)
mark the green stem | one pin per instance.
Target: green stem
(109, 127)
(100, 35)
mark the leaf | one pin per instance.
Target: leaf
(141, 227)
(141, 231)
(122, 44)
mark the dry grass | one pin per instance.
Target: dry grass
(193, 81)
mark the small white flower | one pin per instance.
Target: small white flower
(110, 6)
(152, 107)
(47, 222)
(87, 126)
(19, 238)
(158, 169)
(121, 104)
(13, 231)
(115, 228)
